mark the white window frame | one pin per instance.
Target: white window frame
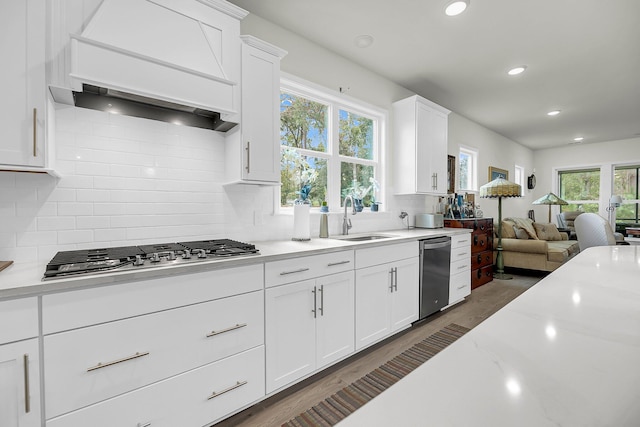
(473, 172)
(336, 101)
(519, 177)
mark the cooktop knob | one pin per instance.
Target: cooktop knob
(202, 253)
(154, 257)
(186, 254)
(171, 256)
(139, 260)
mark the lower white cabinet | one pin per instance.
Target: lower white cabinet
(20, 384)
(459, 277)
(387, 299)
(309, 325)
(88, 365)
(196, 398)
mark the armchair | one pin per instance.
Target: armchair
(566, 220)
(593, 230)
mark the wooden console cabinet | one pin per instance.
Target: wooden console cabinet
(481, 247)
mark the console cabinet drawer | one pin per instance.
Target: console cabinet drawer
(195, 398)
(91, 364)
(308, 267)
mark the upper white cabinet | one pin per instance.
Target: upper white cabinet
(253, 149)
(420, 141)
(23, 111)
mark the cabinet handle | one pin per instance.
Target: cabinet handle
(35, 130)
(331, 264)
(284, 273)
(144, 424)
(27, 392)
(315, 303)
(226, 390)
(462, 287)
(124, 359)
(222, 331)
(462, 254)
(248, 156)
(391, 273)
(462, 267)
(479, 259)
(321, 300)
(395, 273)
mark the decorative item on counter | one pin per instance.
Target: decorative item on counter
(374, 206)
(359, 193)
(324, 220)
(304, 177)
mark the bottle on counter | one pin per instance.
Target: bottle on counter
(324, 220)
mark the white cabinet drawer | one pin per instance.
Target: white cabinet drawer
(459, 286)
(19, 319)
(88, 365)
(184, 400)
(460, 253)
(460, 266)
(76, 309)
(368, 257)
(460, 240)
(309, 267)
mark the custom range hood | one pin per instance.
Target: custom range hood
(175, 61)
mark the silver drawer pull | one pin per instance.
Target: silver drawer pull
(461, 267)
(27, 392)
(226, 390)
(115, 362)
(462, 287)
(284, 273)
(462, 254)
(331, 264)
(144, 424)
(222, 331)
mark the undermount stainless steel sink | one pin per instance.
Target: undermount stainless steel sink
(363, 237)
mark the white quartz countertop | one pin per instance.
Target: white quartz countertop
(25, 279)
(564, 353)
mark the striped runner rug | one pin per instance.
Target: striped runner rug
(337, 407)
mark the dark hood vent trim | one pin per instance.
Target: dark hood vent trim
(117, 102)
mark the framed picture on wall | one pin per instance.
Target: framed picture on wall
(497, 173)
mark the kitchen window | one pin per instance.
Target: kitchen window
(329, 142)
(580, 189)
(468, 174)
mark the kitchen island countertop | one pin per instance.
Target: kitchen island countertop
(24, 279)
(564, 353)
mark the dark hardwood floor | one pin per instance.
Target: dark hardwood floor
(482, 303)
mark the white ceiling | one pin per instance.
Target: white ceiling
(583, 57)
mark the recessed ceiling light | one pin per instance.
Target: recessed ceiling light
(553, 113)
(364, 40)
(517, 70)
(456, 7)
(578, 139)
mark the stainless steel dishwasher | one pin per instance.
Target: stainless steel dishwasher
(435, 260)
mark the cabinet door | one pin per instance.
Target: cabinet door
(335, 320)
(373, 310)
(22, 46)
(290, 333)
(405, 295)
(431, 150)
(19, 384)
(260, 115)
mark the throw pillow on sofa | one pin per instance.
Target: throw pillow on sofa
(526, 224)
(521, 233)
(547, 231)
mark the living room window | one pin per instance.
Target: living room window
(468, 169)
(625, 184)
(330, 143)
(580, 189)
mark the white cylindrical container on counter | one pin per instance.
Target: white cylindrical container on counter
(301, 222)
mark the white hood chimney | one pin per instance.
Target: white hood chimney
(171, 60)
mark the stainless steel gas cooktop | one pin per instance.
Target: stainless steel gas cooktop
(103, 260)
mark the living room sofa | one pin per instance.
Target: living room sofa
(534, 246)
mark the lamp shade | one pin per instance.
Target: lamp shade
(500, 187)
(615, 200)
(550, 199)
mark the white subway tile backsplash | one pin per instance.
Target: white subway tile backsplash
(37, 238)
(93, 222)
(56, 223)
(110, 235)
(75, 236)
(90, 195)
(75, 209)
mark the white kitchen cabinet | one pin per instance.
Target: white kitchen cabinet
(20, 384)
(23, 111)
(460, 277)
(253, 149)
(87, 365)
(309, 325)
(420, 146)
(195, 398)
(387, 293)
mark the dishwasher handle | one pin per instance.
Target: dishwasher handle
(435, 243)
